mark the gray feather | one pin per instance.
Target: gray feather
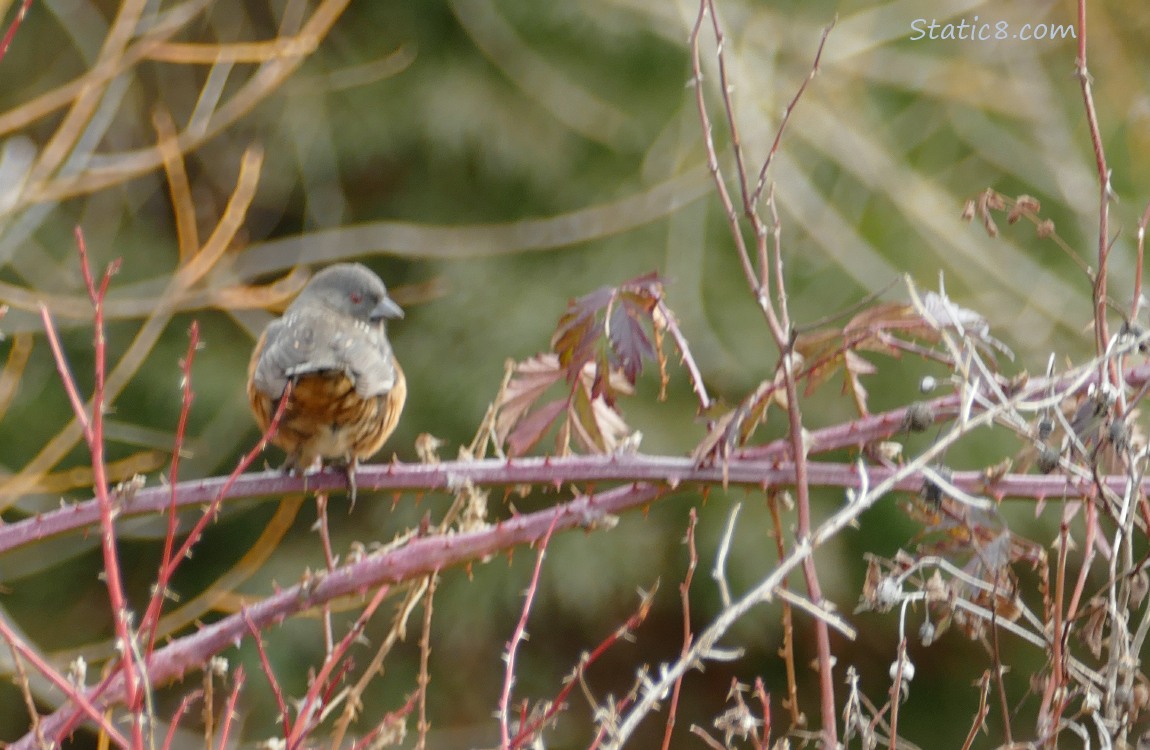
(310, 340)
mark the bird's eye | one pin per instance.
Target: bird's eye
(356, 297)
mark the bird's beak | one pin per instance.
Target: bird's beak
(386, 309)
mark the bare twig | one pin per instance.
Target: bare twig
(230, 709)
(979, 722)
(685, 600)
(518, 637)
(529, 730)
(719, 571)
(75, 693)
(6, 41)
(424, 659)
(1101, 331)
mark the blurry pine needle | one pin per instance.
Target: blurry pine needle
(81, 477)
(154, 325)
(18, 355)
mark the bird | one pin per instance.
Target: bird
(347, 388)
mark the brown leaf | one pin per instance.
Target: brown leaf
(582, 418)
(716, 443)
(825, 350)
(857, 366)
(881, 315)
(815, 343)
(737, 426)
(598, 426)
(529, 381)
(871, 328)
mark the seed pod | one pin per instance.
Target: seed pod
(918, 417)
(1047, 458)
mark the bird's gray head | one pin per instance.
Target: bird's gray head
(350, 289)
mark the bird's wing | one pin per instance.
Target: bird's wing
(309, 341)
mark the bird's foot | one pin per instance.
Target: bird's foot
(349, 469)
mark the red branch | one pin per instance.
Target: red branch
(94, 435)
(633, 622)
(421, 557)
(10, 34)
(269, 673)
(518, 637)
(685, 598)
(151, 617)
(230, 711)
(311, 707)
(1101, 332)
(73, 692)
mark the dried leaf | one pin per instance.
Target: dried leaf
(737, 426)
(882, 315)
(949, 315)
(872, 328)
(857, 366)
(598, 426)
(582, 418)
(824, 350)
(529, 381)
(716, 443)
(968, 210)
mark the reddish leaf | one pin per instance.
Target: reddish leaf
(651, 283)
(640, 302)
(576, 345)
(583, 308)
(599, 346)
(579, 330)
(529, 431)
(629, 342)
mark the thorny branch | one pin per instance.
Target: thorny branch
(778, 319)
